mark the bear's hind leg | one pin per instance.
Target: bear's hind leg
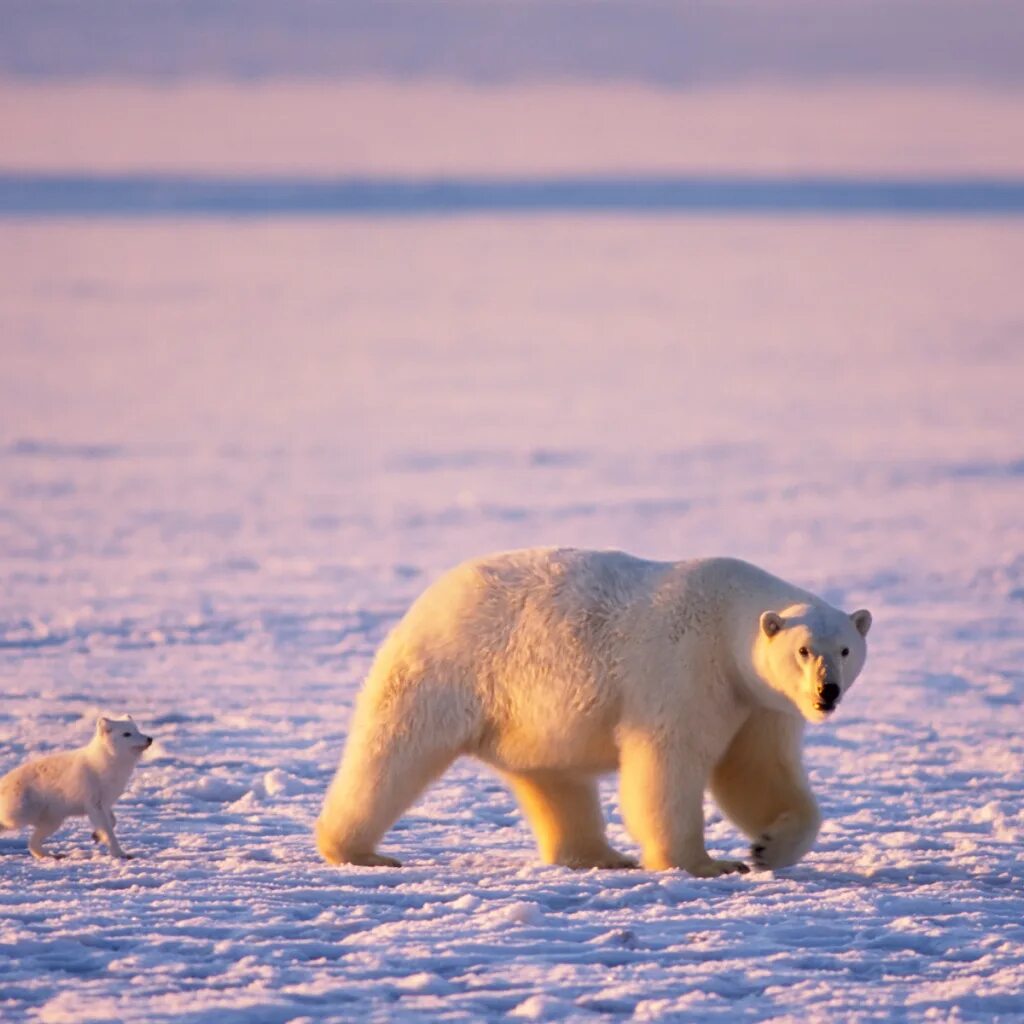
(564, 812)
(761, 785)
(376, 782)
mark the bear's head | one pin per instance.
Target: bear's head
(810, 654)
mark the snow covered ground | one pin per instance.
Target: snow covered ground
(231, 454)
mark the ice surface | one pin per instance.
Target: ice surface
(230, 455)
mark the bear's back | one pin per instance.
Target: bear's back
(525, 622)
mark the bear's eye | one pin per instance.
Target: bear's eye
(845, 652)
(803, 652)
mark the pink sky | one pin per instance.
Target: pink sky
(438, 127)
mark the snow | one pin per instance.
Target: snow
(233, 453)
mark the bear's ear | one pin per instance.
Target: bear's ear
(862, 620)
(771, 623)
(103, 724)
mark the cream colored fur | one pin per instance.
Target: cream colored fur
(88, 781)
(555, 666)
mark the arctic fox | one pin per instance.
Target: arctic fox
(86, 781)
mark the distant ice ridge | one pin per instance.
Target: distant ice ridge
(77, 195)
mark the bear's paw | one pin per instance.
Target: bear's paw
(784, 842)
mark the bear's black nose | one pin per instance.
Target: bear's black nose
(829, 693)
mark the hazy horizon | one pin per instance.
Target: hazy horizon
(669, 45)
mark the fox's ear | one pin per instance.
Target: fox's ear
(103, 724)
(129, 717)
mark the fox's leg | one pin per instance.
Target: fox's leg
(42, 831)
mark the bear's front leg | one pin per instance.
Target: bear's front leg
(661, 787)
(761, 785)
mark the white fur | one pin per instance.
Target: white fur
(555, 666)
(87, 781)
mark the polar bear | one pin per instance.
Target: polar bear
(557, 665)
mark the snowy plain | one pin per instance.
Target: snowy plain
(233, 452)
